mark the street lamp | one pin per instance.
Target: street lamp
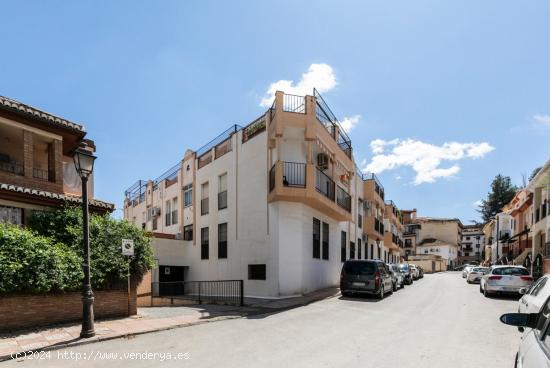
(84, 164)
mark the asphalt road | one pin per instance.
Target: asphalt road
(439, 321)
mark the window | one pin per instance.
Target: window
(168, 213)
(175, 211)
(204, 199)
(325, 240)
(316, 238)
(371, 252)
(351, 250)
(188, 232)
(343, 246)
(204, 243)
(256, 272)
(188, 195)
(359, 220)
(358, 248)
(222, 240)
(222, 192)
(155, 223)
(11, 215)
(535, 290)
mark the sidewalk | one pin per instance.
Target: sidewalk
(147, 320)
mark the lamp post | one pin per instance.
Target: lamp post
(84, 163)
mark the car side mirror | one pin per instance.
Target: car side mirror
(520, 319)
(523, 291)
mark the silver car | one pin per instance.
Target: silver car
(474, 276)
(505, 279)
(397, 276)
(466, 270)
(534, 347)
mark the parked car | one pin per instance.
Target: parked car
(397, 276)
(406, 271)
(459, 268)
(533, 348)
(420, 272)
(534, 297)
(505, 279)
(466, 270)
(365, 277)
(474, 276)
(414, 271)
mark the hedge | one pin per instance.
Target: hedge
(47, 256)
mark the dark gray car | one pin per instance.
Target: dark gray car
(365, 277)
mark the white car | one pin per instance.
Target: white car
(466, 271)
(474, 276)
(505, 279)
(534, 347)
(534, 297)
(414, 271)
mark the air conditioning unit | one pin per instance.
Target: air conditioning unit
(322, 161)
(179, 236)
(155, 211)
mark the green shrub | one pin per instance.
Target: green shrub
(109, 267)
(31, 263)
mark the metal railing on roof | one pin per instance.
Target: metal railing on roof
(219, 139)
(330, 122)
(169, 174)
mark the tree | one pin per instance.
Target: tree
(535, 172)
(502, 192)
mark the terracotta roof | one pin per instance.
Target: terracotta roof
(9, 104)
(57, 196)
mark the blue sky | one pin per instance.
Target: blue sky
(417, 74)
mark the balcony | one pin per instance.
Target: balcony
(343, 199)
(12, 167)
(304, 183)
(324, 184)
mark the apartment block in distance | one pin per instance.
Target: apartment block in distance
(278, 203)
(36, 166)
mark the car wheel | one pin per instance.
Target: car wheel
(516, 360)
(480, 289)
(381, 293)
(402, 284)
(468, 281)
(346, 294)
(395, 286)
(486, 293)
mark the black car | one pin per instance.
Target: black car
(406, 271)
(365, 277)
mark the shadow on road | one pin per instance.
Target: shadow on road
(361, 298)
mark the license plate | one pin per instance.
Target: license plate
(358, 284)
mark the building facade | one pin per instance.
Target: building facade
(278, 203)
(472, 244)
(539, 186)
(36, 166)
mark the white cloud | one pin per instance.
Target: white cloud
(348, 123)
(319, 76)
(542, 119)
(424, 158)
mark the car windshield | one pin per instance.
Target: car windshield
(510, 271)
(359, 268)
(403, 267)
(478, 269)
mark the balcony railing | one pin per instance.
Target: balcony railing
(327, 118)
(324, 184)
(343, 199)
(12, 167)
(293, 103)
(294, 174)
(42, 174)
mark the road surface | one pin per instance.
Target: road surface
(439, 321)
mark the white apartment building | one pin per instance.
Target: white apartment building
(278, 204)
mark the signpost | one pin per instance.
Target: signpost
(127, 249)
